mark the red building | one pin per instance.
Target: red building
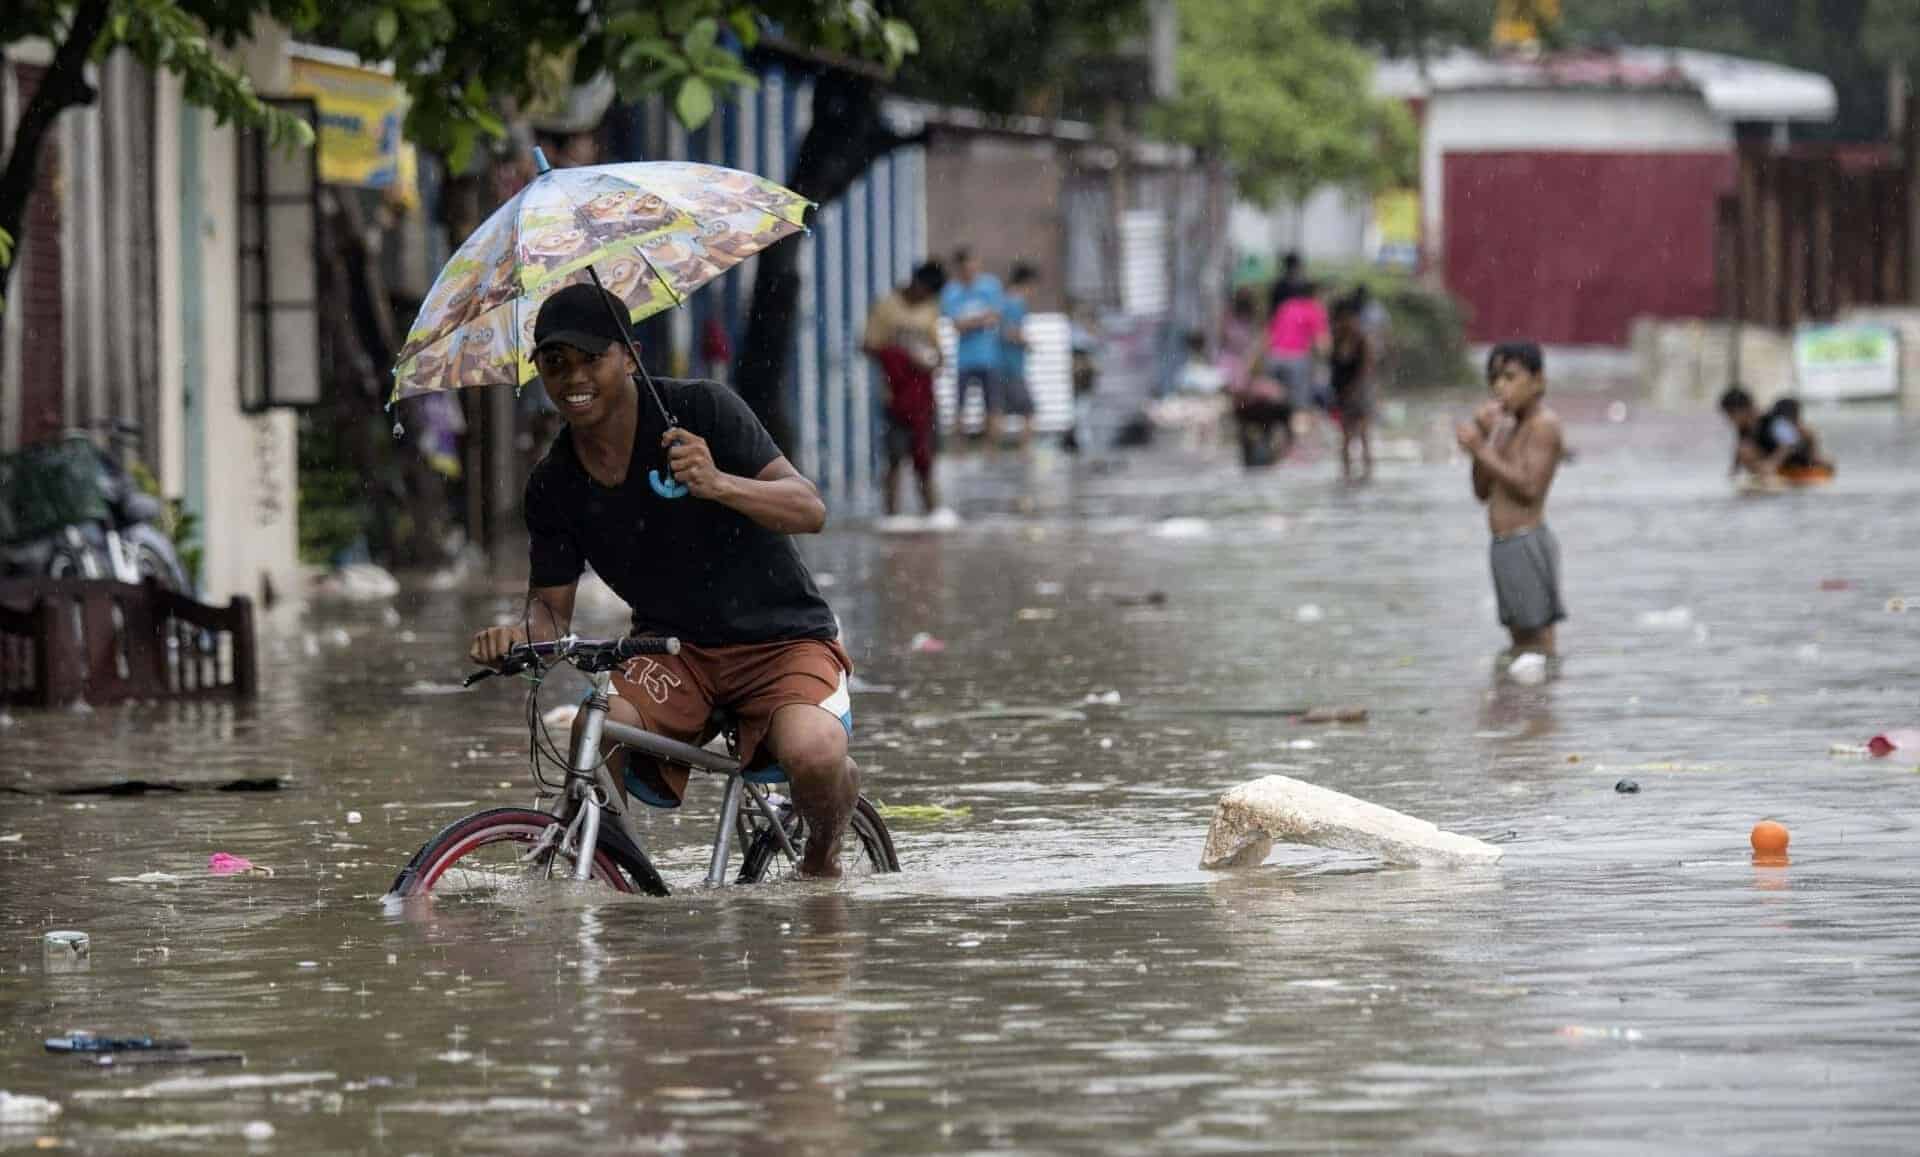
(1564, 195)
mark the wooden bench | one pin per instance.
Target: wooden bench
(63, 640)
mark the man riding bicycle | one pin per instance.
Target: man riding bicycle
(714, 567)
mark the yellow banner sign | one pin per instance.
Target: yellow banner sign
(1396, 214)
(1523, 22)
(361, 111)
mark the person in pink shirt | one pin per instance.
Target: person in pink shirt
(1297, 333)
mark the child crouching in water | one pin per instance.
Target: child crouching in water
(1775, 444)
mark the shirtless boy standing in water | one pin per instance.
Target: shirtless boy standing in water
(1515, 445)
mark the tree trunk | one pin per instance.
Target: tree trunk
(847, 134)
(63, 86)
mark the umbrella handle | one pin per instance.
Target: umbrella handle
(666, 487)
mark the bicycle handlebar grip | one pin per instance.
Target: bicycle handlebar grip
(637, 645)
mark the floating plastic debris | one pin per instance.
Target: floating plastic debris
(1182, 528)
(1250, 818)
(26, 1109)
(1587, 1032)
(1671, 619)
(1888, 742)
(926, 813)
(67, 951)
(228, 864)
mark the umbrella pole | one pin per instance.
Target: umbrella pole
(633, 350)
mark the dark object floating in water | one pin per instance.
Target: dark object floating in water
(166, 1057)
(86, 1042)
(128, 787)
(1627, 787)
(1348, 714)
(1149, 599)
(122, 787)
(1341, 714)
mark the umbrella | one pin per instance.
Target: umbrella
(651, 232)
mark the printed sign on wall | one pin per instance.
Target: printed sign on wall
(1839, 362)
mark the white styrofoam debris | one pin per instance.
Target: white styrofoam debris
(1251, 818)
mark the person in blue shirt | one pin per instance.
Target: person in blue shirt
(1015, 396)
(973, 301)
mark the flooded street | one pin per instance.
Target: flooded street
(1051, 972)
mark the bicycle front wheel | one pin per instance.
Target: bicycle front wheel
(866, 850)
(492, 854)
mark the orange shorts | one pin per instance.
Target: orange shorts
(676, 694)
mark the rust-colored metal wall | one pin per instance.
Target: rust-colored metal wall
(1568, 248)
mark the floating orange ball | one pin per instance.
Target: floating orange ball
(1769, 839)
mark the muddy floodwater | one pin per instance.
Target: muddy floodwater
(1052, 973)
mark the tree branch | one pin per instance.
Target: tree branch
(63, 86)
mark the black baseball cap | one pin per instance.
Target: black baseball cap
(582, 316)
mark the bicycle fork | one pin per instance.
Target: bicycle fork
(586, 756)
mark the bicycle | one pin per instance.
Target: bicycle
(500, 849)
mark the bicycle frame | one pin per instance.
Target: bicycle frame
(591, 791)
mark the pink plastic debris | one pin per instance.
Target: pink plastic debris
(926, 644)
(1888, 742)
(226, 864)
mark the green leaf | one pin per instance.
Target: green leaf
(701, 38)
(679, 15)
(489, 124)
(460, 154)
(730, 74)
(644, 59)
(631, 25)
(900, 39)
(694, 104)
(386, 26)
(745, 26)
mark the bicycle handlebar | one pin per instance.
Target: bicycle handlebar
(587, 654)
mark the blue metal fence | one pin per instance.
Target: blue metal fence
(859, 248)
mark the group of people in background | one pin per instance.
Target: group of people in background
(1278, 367)
(990, 358)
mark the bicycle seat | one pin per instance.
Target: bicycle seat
(724, 721)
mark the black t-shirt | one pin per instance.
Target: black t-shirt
(1764, 439)
(688, 567)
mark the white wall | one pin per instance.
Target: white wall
(171, 441)
(250, 521)
(1503, 120)
(1332, 224)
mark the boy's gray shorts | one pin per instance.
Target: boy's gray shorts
(1526, 579)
